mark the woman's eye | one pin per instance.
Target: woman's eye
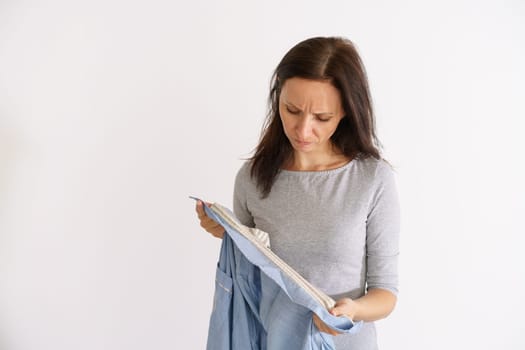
(292, 111)
(323, 119)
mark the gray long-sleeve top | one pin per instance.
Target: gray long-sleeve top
(338, 228)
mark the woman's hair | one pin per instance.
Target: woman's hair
(331, 59)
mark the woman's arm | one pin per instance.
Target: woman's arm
(373, 306)
(382, 251)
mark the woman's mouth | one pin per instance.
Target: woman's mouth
(303, 143)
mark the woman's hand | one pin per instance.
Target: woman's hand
(207, 223)
(374, 305)
(343, 307)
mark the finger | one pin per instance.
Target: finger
(213, 226)
(340, 307)
(219, 233)
(335, 311)
(338, 312)
(210, 225)
(199, 208)
(322, 327)
(317, 322)
(208, 222)
(344, 307)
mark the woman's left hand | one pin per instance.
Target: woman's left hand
(343, 307)
(374, 305)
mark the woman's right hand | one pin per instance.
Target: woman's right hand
(207, 223)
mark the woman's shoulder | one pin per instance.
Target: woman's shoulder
(374, 168)
(245, 169)
(244, 173)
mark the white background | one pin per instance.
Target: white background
(113, 112)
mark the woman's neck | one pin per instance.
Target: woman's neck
(315, 162)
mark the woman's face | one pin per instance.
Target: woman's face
(310, 111)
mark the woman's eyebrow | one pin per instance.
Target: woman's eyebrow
(289, 104)
(328, 114)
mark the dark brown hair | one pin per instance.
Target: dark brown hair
(330, 59)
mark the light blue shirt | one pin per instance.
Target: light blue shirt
(257, 305)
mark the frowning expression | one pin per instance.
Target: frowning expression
(310, 111)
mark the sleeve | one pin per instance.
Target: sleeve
(382, 232)
(240, 196)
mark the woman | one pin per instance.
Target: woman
(319, 186)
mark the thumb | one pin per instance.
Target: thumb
(199, 208)
(341, 307)
(336, 310)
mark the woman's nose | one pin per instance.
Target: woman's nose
(303, 127)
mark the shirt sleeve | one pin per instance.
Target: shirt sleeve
(240, 198)
(382, 232)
